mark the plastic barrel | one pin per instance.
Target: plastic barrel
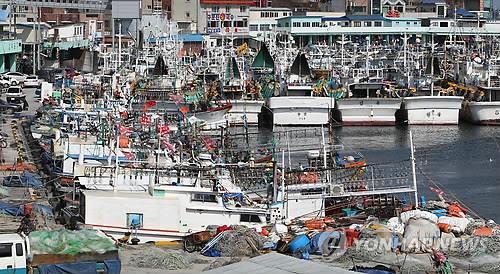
(298, 242)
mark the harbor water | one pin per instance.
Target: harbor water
(462, 160)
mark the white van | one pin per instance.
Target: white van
(14, 251)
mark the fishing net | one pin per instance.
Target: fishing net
(70, 242)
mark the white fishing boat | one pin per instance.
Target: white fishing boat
(246, 107)
(485, 111)
(167, 212)
(433, 110)
(299, 106)
(368, 104)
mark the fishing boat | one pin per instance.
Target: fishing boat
(369, 103)
(168, 211)
(246, 106)
(299, 105)
(485, 110)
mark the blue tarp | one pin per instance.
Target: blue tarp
(74, 268)
(464, 13)
(27, 179)
(11, 209)
(113, 266)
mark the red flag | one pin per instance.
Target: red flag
(145, 120)
(148, 105)
(439, 192)
(162, 129)
(124, 130)
(129, 155)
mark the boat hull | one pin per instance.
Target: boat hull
(368, 111)
(433, 110)
(301, 110)
(484, 113)
(240, 108)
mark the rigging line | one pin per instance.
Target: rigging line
(441, 187)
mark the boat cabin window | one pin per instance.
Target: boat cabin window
(19, 249)
(201, 197)
(249, 218)
(135, 220)
(5, 250)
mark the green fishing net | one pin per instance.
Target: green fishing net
(70, 242)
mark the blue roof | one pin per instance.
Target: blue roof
(182, 37)
(432, 2)
(343, 18)
(463, 12)
(365, 17)
(355, 18)
(191, 38)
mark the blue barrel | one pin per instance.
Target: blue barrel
(298, 242)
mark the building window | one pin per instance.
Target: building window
(228, 9)
(264, 27)
(443, 24)
(5, 250)
(188, 14)
(135, 220)
(215, 9)
(287, 25)
(201, 197)
(249, 218)
(378, 24)
(357, 24)
(315, 24)
(254, 27)
(407, 23)
(296, 24)
(243, 8)
(368, 24)
(285, 14)
(306, 24)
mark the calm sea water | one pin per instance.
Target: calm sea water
(464, 160)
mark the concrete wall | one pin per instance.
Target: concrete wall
(187, 14)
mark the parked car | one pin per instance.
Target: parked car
(14, 91)
(4, 81)
(31, 81)
(9, 108)
(15, 78)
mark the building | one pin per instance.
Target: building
(262, 20)
(228, 17)
(187, 14)
(9, 50)
(318, 29)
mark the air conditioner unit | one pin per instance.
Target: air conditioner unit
(337, 190)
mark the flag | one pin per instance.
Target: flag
(162, 129)
(168, 145)
(129, 155)
(124, 130)
(148, 105)
(145, 120)
(439, 192)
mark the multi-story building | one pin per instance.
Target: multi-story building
(187, 14)
(262, 20)
(227, 17)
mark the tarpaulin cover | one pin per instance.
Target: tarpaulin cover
(27, 179)
(73, 268)
(11, 209)
(70, 242)
(113, 266)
